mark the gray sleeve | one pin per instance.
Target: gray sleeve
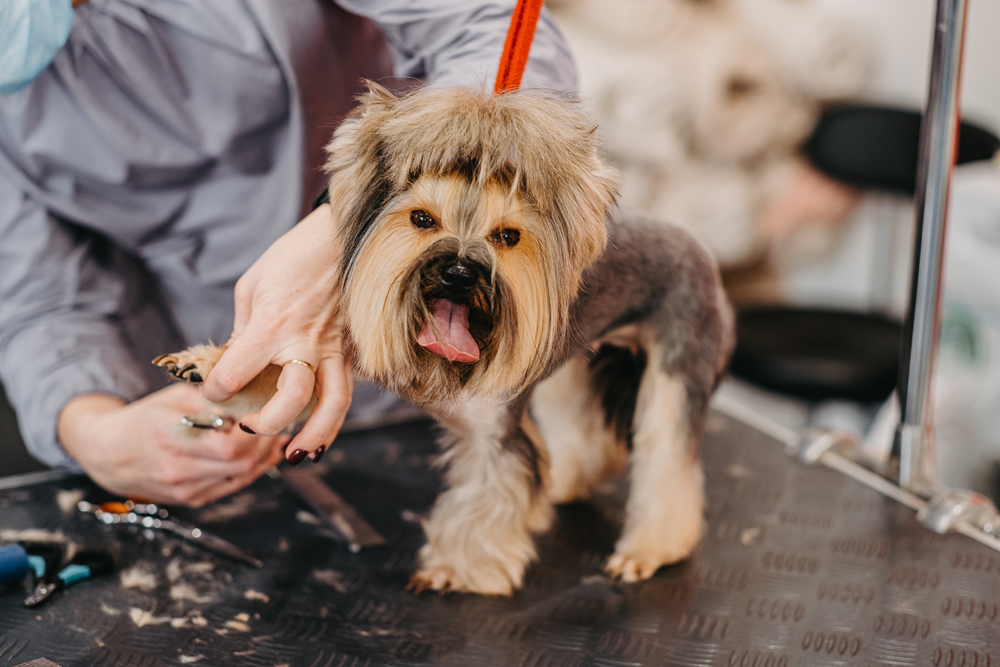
(459, 42)
(59, 333)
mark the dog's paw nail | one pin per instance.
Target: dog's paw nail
(630, 569)
(195, 378)
(165, 360)
(438, 579)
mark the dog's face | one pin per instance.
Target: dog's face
(466, 221)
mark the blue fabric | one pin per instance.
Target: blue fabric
(31, 33)
(13, 563)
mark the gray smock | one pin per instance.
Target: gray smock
(166, 147)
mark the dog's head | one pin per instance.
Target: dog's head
(466, 220)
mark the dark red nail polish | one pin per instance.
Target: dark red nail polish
(318, 454)
(297, 457)
(247, 429)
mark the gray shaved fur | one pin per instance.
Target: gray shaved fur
(658, 276)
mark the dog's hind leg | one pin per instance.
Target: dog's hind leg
(583, 448)
(664, 513)
(480, 532)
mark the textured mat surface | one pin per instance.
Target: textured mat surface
(800, 566)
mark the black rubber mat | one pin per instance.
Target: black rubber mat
(800, 566)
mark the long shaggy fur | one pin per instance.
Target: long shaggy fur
(528, 157)
(501, 206)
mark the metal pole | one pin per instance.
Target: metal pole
(913, 447)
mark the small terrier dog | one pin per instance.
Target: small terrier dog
(476, 283)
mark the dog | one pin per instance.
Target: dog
(488, 277)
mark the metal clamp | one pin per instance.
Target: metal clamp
(814, 442)
(943, 511)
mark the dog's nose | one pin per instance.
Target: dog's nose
(458, 278)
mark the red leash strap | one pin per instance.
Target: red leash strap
(518, 44)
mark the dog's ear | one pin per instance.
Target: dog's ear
(600, 193)
(347, 145)
(342, 151)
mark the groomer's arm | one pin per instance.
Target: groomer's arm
(284, 301)
(459, 42)
(69, 373)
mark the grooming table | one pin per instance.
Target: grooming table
(800, 566)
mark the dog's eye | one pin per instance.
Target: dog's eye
(505, 237)
(422, 220)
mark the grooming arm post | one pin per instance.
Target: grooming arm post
(913, 447)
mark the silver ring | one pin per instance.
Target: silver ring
(210, 422)
(300, 363)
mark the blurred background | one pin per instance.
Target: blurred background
(783, 134)
(708, 107)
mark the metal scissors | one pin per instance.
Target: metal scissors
(155, 517)
(333, 509)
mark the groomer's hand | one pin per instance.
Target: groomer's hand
(138, 449)
(288, 307)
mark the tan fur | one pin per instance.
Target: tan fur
(528, 160)
(583, 451)
(480, 532)
(478, 164)
(665, 509)
(547, 143)
(395, 246)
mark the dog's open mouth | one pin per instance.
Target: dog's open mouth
(446, 332)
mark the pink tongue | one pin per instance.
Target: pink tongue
(453, 341)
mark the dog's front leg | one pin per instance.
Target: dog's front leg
(480, 532)
(195, 363)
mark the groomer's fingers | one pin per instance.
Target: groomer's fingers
(190, 466)
(295, 390)
(192, 480)
(243, 295)
(183, 471)
(207, 491)
(229, 445)
(334, 386)
(246, 356)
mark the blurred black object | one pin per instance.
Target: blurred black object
(817, 354)
(14, 458)
(877, 147)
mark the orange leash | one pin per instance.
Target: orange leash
(518, 44)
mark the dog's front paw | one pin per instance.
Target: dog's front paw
(438, 579)
(474, 573)
(444, 579)
(640, 554)
(182, 369)
(630, 568)
(191, 365)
